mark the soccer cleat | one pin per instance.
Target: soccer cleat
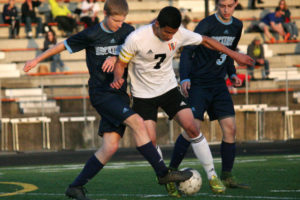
(77, 193)
(174, 176)
(216, 185)
(172, 190)
(230, 182)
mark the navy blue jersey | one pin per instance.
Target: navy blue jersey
(207, 67)
(99, 44)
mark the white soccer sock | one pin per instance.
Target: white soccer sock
(203, 153)
(159, 151)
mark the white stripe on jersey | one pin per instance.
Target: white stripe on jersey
(151, 72)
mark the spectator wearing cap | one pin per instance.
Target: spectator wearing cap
(256, 51)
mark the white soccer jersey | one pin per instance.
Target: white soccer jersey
(151, 72)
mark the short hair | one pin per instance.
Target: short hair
(169, 16)
(217, 1)
(116, 7)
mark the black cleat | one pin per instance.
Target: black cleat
(77, 193)
(175, 176)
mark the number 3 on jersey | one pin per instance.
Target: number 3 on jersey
(161, 58)
(222, 59)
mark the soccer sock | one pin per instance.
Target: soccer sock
(91, 168)
(152, 156)
(227, 156)
(180, 149)
(159, 151)
(203, 153)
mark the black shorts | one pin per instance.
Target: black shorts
(113, 107)
(171, 102)
(215, 100)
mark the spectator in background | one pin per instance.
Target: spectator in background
(63, 16)
(29, 17)
(89, 12)
(287, 23)
(56, 62)
(273, 21)
(256, 51)
(252, 3)
(10, 16)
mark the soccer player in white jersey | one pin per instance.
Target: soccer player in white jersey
(151, 49)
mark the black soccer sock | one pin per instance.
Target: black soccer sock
(227, 155)
(180, 149)
(152, 156)
(91, 168)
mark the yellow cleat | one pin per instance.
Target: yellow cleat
(172, 190)
(216, 185)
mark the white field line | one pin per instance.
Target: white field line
(165, 195)
(285, 191)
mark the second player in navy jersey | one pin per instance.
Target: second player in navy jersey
(207, 67)
(202, 75)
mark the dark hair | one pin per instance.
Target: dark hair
(54, 37)
(169, 16)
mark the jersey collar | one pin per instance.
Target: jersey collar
(104, 29)
(225, 23)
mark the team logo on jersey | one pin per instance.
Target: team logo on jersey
(182, 103)
(150, 52)
(225, 40)
(125, 110)
(226, 32)
(172, 46)
(113, 41)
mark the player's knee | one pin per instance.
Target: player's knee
(192, 131)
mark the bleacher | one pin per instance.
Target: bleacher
(64, 94)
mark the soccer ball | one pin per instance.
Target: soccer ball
(192, 185)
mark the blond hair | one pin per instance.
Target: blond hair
(116, 7)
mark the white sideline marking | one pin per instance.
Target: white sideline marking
(165, 195)
(284, 190)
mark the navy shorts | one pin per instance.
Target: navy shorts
(171, 102)
(215, 100)
(113, 107)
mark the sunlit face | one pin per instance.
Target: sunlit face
(225, 9)
(114, 22)
(166, 33)
(12, 2)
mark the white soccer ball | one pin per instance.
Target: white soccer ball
(192, 185)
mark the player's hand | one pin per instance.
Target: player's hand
(109, 64)
(243, 59)
(185, 86)
(29, 65)
(117, 83)
(236, 81)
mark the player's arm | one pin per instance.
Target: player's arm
(213, 44)
(59, 47)
(118, 74)
(185, 67)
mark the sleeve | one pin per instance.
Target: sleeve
(190, 37)
(77, 42)
(231, 71)
(186, 63)
(4, 13)
(186, 58)
(129, 48)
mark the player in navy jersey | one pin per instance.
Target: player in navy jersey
(101, 43)
(202, 75)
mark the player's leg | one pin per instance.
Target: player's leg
(151, 130)
(150, 153)
(228, 148)
(176, 107)
(222, 109)
(94, 165)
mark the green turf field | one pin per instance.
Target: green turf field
(271, 177)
